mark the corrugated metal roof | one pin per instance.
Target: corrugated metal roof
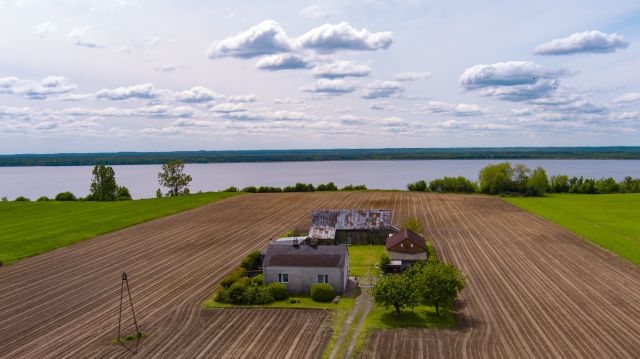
(305, 256)
(324, 223)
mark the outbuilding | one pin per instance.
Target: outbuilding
(353, 226)
(301, 266)
(405, 248)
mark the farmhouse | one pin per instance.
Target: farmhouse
(301, 266)
(371, 226)
(405, 248)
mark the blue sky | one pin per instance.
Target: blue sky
(135, 75)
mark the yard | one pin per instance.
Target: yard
(363, 260)
(608, 220)
(30, 228)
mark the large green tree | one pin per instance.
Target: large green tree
(103, 184)
(537, 183)
(436, 283)
(397, 291)
(497, 178)
(174, 178)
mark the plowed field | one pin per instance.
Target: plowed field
(533, 288)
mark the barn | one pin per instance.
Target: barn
(369, 226)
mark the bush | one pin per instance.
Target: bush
(233, 277)
(267, 189)
(236, 291)
(4, 199)
(231, 189)
(42, 198)
(420, 186)
(322, 292)
(222, 296)
(351, 187)
(250, 189)
(122, 194)
(257, 280)
(278, 290)
(65, 196)
(257, 295)
(22, 199)
(158, 193)
(453, 184)
(252, 262)
(384, 262)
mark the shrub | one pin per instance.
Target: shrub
(122, 194)
(384, 262)
(267, 189)
(257, 295)
(233, 277)
(158, 193)
(250, 189)
(236, 291)
(65, 196)
(420, 186)
(294, 301)
(252, 261)
(413, 224)
(22, 199)
(351, 187)
(322, 292)
(222, 296)
(42, 198)
(231, 189)
(278, 290)
(257, 280)
(4, 199)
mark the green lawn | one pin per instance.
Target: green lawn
(363, 258)
(304, 302)
(30, 228)
(611, 221)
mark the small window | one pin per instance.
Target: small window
(323, 278)
(411, 245)
(283, 277)
(401, 245)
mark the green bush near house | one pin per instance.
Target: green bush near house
(322, 292)
(233, 277)
(279, 291)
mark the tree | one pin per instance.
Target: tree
(385, 260)
(420, 186)
(123, 194)
(103, 184)
(538, 183)
(437, 283)
(560, 184)
(412, 224)
(496, 178)
(174, 178)
(397, 291)
(158, 193)
(65, 196)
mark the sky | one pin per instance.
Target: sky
(136, 75)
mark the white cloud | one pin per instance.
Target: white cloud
(460, 109)
(288, 100)
(155, 111)
(628, 98)
(37, 90)
(412, 76)
(242, 98)
(331, 87)
(341, 69)
(228, 107)
(379, 89)
(80, 37)
(330, 38)
(169, 68)
(197, 94)
(183, 122)
(265, 115)
(143, 91)
(583, 42)
(512, 80)
(281, 62)
(45, 28)
(266, 38)
(382, 105)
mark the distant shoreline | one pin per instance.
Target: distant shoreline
(307, 155)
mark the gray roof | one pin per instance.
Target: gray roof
(397, 256)
(324, 223)
(305, 256)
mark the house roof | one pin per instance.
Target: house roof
(407, 257)
(413, 237)
(305, 256)
(324, 223)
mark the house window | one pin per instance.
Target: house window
(323, 278)
(283, 277)
(401, 245)
(411, 245)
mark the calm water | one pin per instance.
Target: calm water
(142, 179)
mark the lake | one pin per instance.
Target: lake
(142, 180)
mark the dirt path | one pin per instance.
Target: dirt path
(347, 324)
(366, 299)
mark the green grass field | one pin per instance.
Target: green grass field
(30, 228)
(611, 221)
(363, 258)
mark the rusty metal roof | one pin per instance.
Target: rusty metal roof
(324, 223)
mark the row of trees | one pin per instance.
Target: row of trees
(428, 282)
(503, 178)
(298, 187)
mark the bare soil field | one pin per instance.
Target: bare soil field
(533, 289)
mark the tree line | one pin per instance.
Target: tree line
(503, 178)
(298, 187)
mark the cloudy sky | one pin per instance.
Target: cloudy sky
(136, 75)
